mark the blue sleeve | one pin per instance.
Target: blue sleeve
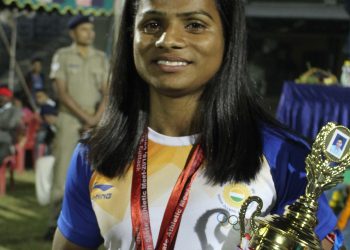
(327, 220)
(286, 157)
(77, 221)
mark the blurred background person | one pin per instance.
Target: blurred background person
(10, 122)
(80, 75)
(48, 113)
(42, 98)
(35, 78)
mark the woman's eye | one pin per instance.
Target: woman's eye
(195, 27)
(151, 27)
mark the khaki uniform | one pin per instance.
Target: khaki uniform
(84, 77)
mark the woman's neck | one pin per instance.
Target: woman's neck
(172, 116)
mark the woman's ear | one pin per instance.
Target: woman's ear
(131, 31)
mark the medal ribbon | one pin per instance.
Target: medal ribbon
(176, 204)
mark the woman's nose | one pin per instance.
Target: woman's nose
(171, 38)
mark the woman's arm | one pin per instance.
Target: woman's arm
(61, 243)
(326, 245)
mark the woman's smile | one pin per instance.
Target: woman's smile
(171, 63)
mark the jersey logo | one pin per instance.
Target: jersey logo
(233, 196)
(102, 187)
(99, 193)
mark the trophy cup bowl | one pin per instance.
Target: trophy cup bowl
(325, 167)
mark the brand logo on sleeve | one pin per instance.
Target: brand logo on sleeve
(102, 187)
(99, 192)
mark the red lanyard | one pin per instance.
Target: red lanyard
(176, 204)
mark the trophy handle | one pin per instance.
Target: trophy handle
(256, 213)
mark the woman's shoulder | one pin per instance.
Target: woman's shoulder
(81, 149)
(80, 164)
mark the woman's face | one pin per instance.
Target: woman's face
(178, 44)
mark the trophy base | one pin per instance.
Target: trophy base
(278, 233)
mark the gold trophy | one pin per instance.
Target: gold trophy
(325, 166)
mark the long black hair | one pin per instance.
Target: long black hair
(229, 118)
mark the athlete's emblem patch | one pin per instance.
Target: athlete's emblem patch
(234, 195)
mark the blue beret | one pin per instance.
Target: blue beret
(79, 19)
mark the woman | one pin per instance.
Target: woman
(183, 138)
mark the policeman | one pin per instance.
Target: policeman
(79, 73)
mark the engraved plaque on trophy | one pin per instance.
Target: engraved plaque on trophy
(325, 166)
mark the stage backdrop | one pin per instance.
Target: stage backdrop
(85, 7)
(305, 108)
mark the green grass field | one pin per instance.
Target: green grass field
(23, 221)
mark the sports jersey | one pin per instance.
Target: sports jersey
(96, 209)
